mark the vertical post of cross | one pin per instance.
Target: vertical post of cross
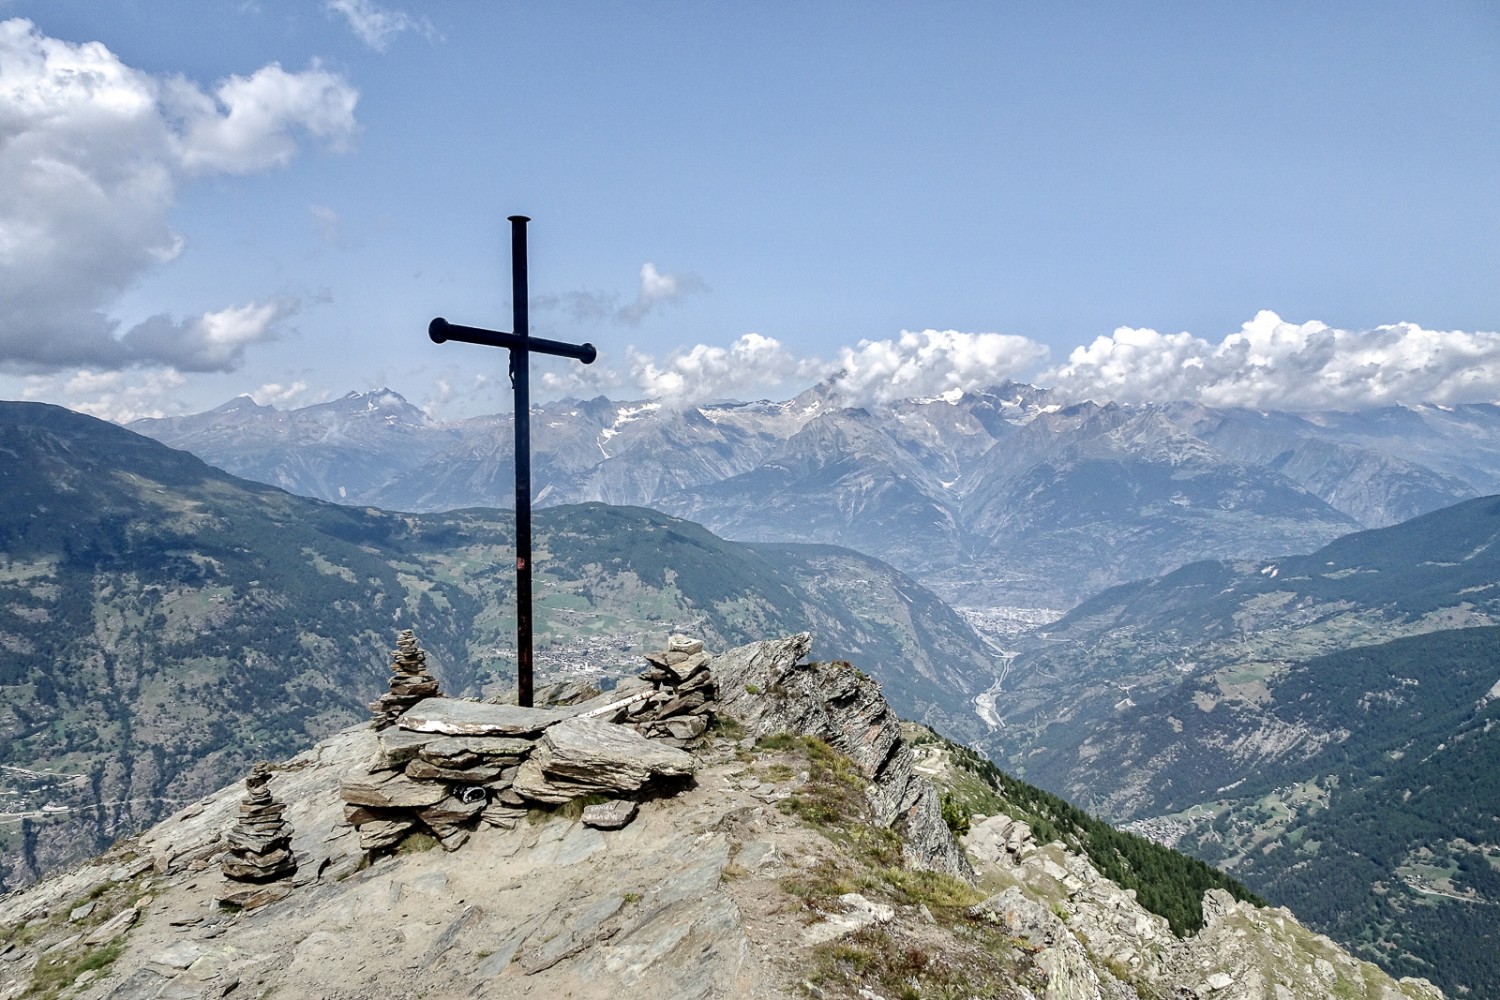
(521, 346)
(520, 376)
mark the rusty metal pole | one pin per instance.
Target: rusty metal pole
(520, 375)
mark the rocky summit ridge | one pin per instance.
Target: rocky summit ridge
(793, 847)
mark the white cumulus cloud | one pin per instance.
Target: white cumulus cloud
(92, 155)
(559, 377)
(875, 371)
(251, 123)
(1267, 364)
(1270, 363)
(928, 362)
(213, 342)
(751, 364)
(281, 394)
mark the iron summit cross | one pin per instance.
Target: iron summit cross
(521, 345)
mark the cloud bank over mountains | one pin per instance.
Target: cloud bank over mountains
(931, 362)
(93, 154)
(1268, 363)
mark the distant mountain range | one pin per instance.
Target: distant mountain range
(165, 623)
(996, 497)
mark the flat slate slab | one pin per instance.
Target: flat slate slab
(397, 746)
(611, 815)
(391, 790)
(453, 717)
(583, 756)
(588, 749)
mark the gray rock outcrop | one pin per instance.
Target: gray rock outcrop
(673, 700)
(1092, 937)
(1056, 951)
(768, 689)
(682, 705)
(999, 839)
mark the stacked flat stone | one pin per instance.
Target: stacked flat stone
(682, 704)
(449, 766)
(410, 681)
(260, 844)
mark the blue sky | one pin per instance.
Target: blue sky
(1257, 204)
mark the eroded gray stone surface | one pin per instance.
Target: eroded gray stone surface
(388, 790)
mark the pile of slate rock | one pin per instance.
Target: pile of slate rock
(442, 779)
(260, 844)
(681, 703)
(449, 765)
(444, 766)
(410, 681)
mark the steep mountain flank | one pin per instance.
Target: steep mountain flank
(1361, 793)
(842, 475)
(768, 689)
(770, 874)
(1239, 622)
(1100, 494)
(1377, 486)
(1317, 724)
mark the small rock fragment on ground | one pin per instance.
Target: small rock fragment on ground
(610, 815)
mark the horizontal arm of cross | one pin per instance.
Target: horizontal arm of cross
(441, 330)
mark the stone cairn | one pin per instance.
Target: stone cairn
(410, 681)
(438, 783)
(260, 844)
(681, 704)
(444, 766)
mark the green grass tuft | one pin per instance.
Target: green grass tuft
(416, 842)
(55, 973)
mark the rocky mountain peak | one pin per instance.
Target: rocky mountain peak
(382, 402)
(240, 404)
